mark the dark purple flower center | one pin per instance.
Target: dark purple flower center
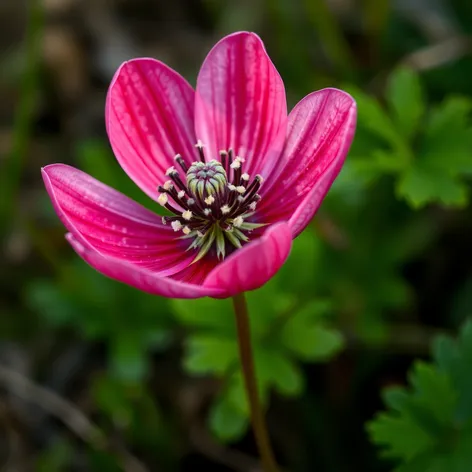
(213, 205)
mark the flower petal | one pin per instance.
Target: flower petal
(240, 101)
(138, 277)
(150, 119)
(254, 264)
(111, 223)
(320, 131)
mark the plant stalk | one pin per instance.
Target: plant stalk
(247, 363)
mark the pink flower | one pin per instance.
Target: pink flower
(241, 178)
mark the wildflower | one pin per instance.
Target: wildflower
(238, 177)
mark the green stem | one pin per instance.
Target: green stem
(249, 374)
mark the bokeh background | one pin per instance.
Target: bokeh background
(96, 376)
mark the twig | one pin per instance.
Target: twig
(439, 54)
(67, 413)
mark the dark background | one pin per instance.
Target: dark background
(393, 272)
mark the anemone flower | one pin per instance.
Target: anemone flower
(238, 177)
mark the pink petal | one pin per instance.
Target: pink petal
(150, 119)
(320, 131)
(138, 277)
(111, 223)
(253, 265)
(240, 101)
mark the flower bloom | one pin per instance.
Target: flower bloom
(239, 177)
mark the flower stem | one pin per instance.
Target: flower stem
(249, 374)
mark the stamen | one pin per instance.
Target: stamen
(201, 153)
(213, 202)
(187, 215)
(223, 158)
(229, 161)
(176, 225)
(178, 158)
(254, 187)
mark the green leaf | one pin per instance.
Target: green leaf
(205, 313)
(443, 158)
(277, 370)
(455, 359)
(210, 354)
(421, 185)
(402, 437)
(448, 137)
(428, 426)
(373, 117)
(227, 422)
(405, 97)
(421, 416)
(307, 338)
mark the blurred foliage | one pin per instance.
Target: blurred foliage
(427, 149)
(384, 265)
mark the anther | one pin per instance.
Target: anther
(162, 199)
(238, 221)
(176, 225)
(181, 194)
(187, 215)
(245, 177)
(207, 211)
(209, 200)
(225, 209)
(171, 170)
(186, 230)
(168, 185)
(236, 164)
(240, 189)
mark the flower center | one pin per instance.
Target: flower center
(213, 205)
